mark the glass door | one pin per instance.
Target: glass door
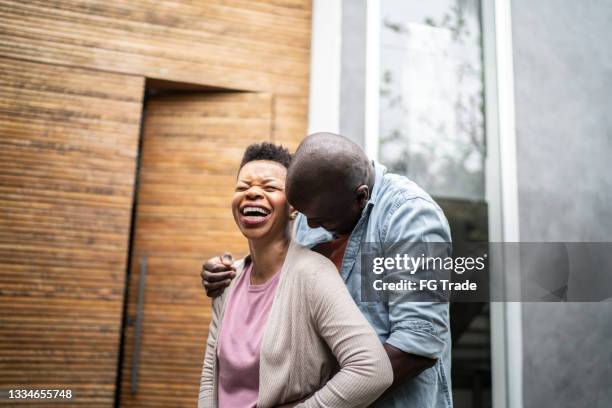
(431, 128)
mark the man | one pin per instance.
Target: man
(345, 202)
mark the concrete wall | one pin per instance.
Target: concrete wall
(563, 91)
(353, 71)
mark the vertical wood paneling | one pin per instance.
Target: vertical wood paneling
(192, 146)
(71, 78)
(68, 143)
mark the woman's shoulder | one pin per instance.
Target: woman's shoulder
(310, 263)
(318, 279)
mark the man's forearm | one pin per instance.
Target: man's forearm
(406, 365)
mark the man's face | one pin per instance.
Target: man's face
(337, 213)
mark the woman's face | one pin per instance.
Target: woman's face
(259, 206)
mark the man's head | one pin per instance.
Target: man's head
(330, 181)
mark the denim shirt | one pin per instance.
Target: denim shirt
(399, 210)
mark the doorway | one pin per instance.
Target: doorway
(191, 146)
(426, 118)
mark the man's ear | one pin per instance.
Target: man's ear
(362, 194)
(292, 212)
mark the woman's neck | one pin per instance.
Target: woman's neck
(267, 257)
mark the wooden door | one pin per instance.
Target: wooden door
(68, 147)
(192, 146)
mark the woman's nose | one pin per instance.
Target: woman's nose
(253, 193)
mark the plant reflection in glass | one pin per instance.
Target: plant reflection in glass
(431, 110)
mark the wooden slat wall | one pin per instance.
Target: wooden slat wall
(192, 146)
(237, 44)
(68, 143)
(71, 77)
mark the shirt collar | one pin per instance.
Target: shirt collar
(379, 173)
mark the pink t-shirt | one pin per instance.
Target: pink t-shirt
(244, 321)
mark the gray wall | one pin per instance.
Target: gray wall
(563, 95)
(353, 71)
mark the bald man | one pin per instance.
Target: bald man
(346, 202)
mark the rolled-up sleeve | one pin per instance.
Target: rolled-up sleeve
(417, 325)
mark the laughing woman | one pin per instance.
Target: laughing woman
(286, 332)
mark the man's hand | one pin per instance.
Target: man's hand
(217, 273)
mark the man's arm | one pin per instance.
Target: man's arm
(419, 325)
(406, 365)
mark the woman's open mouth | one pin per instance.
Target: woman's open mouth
(253, 216)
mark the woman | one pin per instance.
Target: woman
(286, 323)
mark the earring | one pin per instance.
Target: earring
(293, 215)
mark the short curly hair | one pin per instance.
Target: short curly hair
(266, 151)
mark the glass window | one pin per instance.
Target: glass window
(431, 95)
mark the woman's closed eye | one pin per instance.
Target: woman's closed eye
(269, 188)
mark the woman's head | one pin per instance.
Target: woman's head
(259, 205)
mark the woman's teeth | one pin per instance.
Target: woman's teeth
(255, 211)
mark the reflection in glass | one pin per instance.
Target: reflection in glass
(432, 130)
(431, 88)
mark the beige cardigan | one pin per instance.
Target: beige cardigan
(313, 326)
